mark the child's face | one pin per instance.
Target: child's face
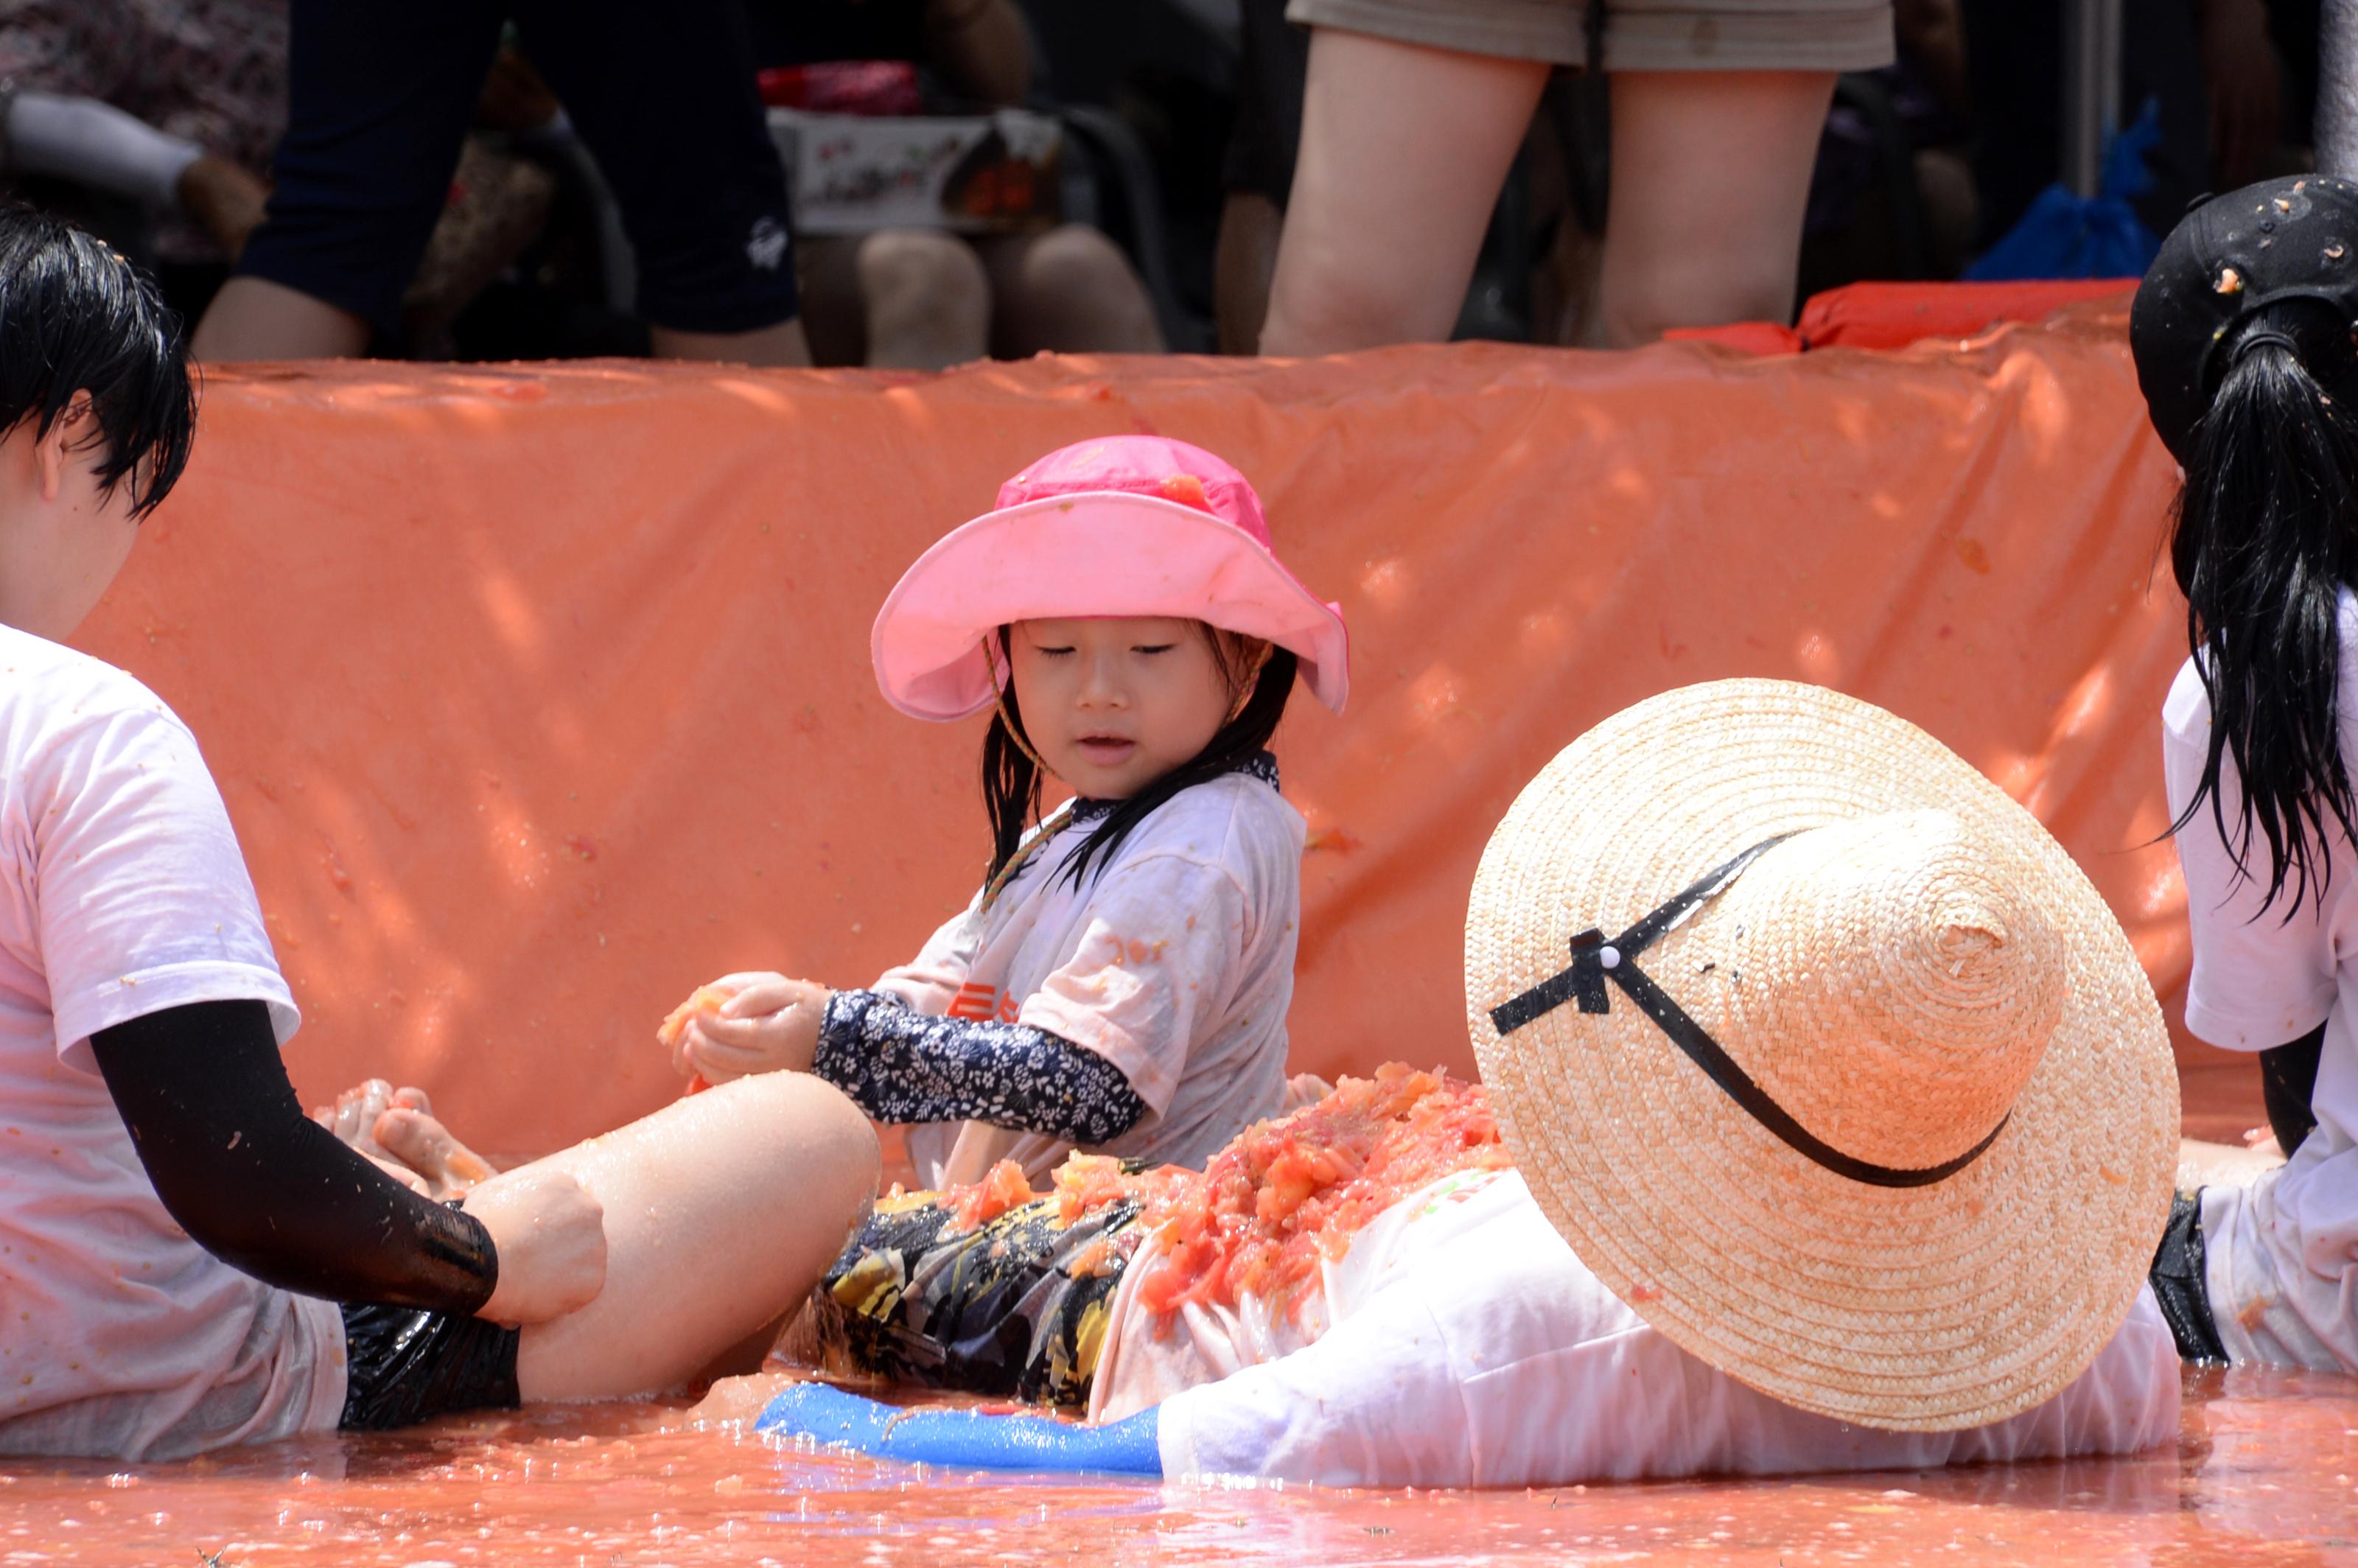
(62, 541)
(1112, 705)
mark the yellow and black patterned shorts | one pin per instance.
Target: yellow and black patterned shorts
(1015, 1309)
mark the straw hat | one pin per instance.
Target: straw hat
(1929, 1189)
(1119, 525)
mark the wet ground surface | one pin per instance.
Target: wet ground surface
(2262, 1474)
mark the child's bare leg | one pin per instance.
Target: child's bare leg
(722, 1210)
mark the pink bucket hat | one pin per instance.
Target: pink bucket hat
(1122, 526)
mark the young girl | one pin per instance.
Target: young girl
(1120, 981)
(2243, 343)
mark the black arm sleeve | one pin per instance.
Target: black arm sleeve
(902, 1066)
(2287, 1084)
(266, 1189)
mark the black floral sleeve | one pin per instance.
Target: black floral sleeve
(901, 1066)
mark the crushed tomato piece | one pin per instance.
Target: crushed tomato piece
(1284, 1196)
(1004, 1187)
(706, 999)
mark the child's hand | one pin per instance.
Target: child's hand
(770, 1025)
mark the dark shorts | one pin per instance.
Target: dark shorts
(2178, 1281)
(404, 1365)
(381, 94)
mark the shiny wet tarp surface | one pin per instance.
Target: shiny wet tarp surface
(2262, 1474)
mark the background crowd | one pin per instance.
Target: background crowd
(507, 178)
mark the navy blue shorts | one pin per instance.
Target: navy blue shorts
(381, 94)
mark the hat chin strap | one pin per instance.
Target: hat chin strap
(1596, 960)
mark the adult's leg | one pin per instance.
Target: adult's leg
(1068, 291)
(924, 297)
(1403, 150)
(1711, 173)
(379, 98)
(666, 99)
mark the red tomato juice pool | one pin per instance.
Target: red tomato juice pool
(2261, 1474)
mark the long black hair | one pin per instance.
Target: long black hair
(1010, 774)
(2264, 542)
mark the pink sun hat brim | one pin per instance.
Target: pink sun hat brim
(1091, 553)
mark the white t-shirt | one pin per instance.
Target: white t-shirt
(2281, 1254)
(1469, 1347)
(121, 893)
(1174, 961)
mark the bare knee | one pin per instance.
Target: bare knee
(926, 297)
(1076, 261)
(1072, 290)
(830, 1163)
(1320, 308)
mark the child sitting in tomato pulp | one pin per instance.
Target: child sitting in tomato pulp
(1119, 983)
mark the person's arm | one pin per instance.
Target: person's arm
(2288, 1084)
(260, 1186)
(2264, 974)
(93, 143)
(902, 1066)
(964, 1439)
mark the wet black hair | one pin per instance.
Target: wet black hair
(75, 318)
(2264, 542)
(1011, 778)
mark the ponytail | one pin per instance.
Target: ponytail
(2266, 539)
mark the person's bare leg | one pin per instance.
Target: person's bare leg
(1403, 150)
(1244, 259)
(1711, 173)
(254, 318)
(2202, 1165)
(926, 297)
(722, 1211)
(1069, 291)
(781, 344)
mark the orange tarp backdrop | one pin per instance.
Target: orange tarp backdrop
(541, 695)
